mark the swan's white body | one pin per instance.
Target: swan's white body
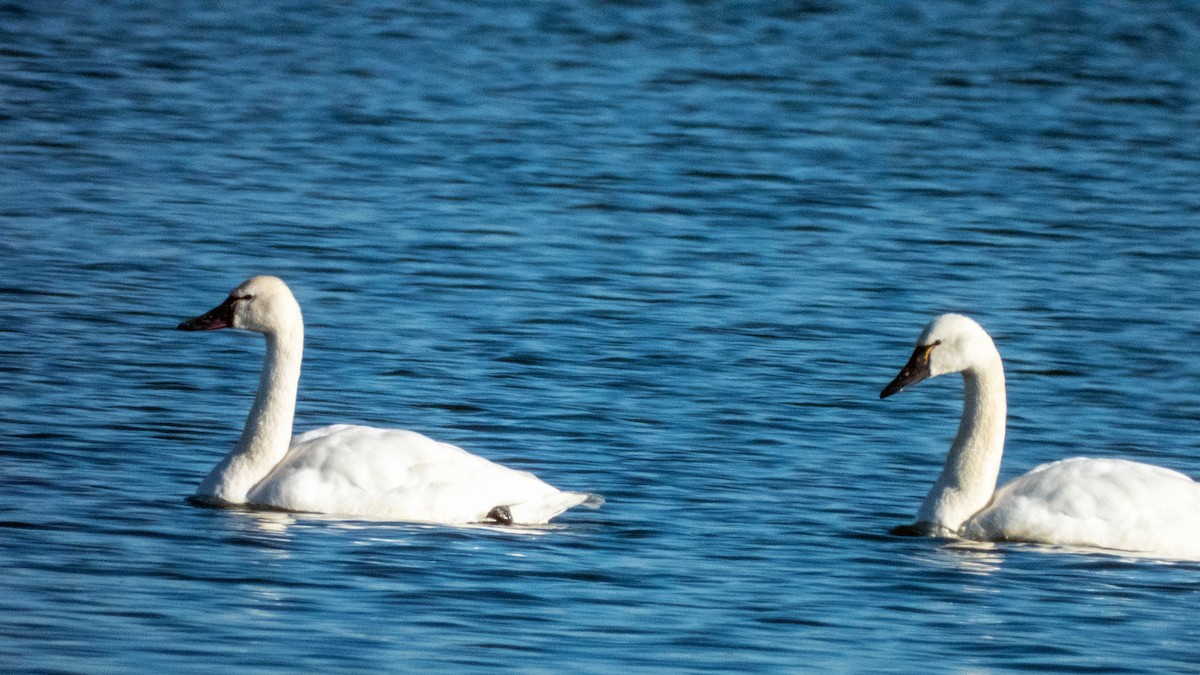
(1101, 503)
(352, 470)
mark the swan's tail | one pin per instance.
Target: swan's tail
(540, 511)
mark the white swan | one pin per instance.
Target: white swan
(1102, 503)
(352, 470)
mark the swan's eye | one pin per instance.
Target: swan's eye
(240, 298)
(926, 350)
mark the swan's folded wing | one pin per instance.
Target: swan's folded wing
(403, 475)
(1103, 503)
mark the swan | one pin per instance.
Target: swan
(1098, 503)
(351, 470)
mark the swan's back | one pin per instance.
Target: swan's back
(1103, 503)
(399, 474)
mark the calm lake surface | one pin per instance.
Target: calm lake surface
(665, 252)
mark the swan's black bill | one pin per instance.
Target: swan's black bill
(914, 371)
(218, 317)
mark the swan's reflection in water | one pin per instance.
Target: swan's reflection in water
(986, 557)
(269, 532)
(275, 526)
(270, 522)
(971, 557)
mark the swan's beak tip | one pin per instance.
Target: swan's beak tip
(914, 371)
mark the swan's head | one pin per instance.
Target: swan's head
(259, 304)
(951, 343)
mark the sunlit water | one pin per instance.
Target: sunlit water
(669, 253)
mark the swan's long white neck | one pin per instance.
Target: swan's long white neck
(268, 431)
(969, 478)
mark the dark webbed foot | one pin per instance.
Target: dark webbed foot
(914, 530)
(501, 515)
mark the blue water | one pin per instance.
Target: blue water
(666, 252)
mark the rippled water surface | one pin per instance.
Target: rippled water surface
(666, 252)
